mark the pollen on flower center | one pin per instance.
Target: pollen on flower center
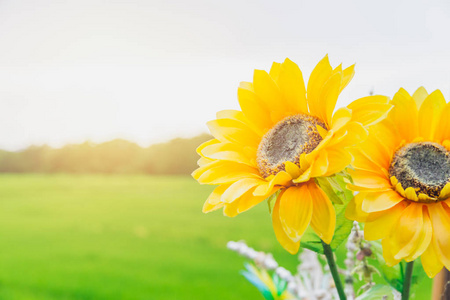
(424, 166)
(286, 141)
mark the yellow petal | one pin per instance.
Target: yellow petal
(445, 192)
(376, 152)
(306, 175)
(208, 207)
(440, 220)
(228, 130)
(393, 180)
(350, 135)
(291, 246)
(322, 131)
(241, 204)
(320, 165)
(319, 76)
(304, 163)
(268, 91)
(338, 159)
(443, 127)
(275, 70)
(430, 262)
(355, 134)
(231, 209)
(213, 201)
(353, 211)
(323, 220)
(429, 114)
(383, 224)
(203, 161)
(348, 75)
(221, 172)
(423, 241)
(446, 144)
(296, 209)
(419, 96)
(230, 151)
(369, 179)
(292, 87)
(404, 114)
(340, 118)
(328, 97)
(362, 162)
(379, 201)
(411, 194)
(370, 110)
(409, 231)
(281, 178)
(400, 190)
(239, 188)
(254, 108)
(336, 70)
(231, 114)
(355, 188)
(205, 165)
(423, 197)
(307, 159)
(238, 115)
(387, 253)
(292, 169)
(206, 144)
(386, 135)
(248, 200)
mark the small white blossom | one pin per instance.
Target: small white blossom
(312, 281)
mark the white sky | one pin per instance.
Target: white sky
(151, 70)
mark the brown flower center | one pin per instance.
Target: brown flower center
(424, 166)
(286, 141)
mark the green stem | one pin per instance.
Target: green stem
(334, 271)
(407, 280)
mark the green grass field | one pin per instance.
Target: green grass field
(124, 237)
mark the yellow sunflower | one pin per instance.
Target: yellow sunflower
(285, 136)
(402, 174)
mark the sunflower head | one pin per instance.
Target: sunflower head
(285, 136)
(422, 166)
(286, 141)
(402, 176)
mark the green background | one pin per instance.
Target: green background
(126, 237)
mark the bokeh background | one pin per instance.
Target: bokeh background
(102, 104)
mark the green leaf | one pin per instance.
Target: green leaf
(310, 239)
(418, 272)
(327, 187)
(271, 200)
(342, 181)
(392, 275)
(377, 292)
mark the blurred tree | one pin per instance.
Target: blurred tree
(177, 156)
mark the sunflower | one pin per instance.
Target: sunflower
(402, 176)
(285, 136)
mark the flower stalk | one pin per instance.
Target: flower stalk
(334, 271)
(407, 280)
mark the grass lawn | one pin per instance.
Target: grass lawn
(125, 237)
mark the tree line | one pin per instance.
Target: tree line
(175, 157)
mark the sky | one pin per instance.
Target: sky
(152, 70)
